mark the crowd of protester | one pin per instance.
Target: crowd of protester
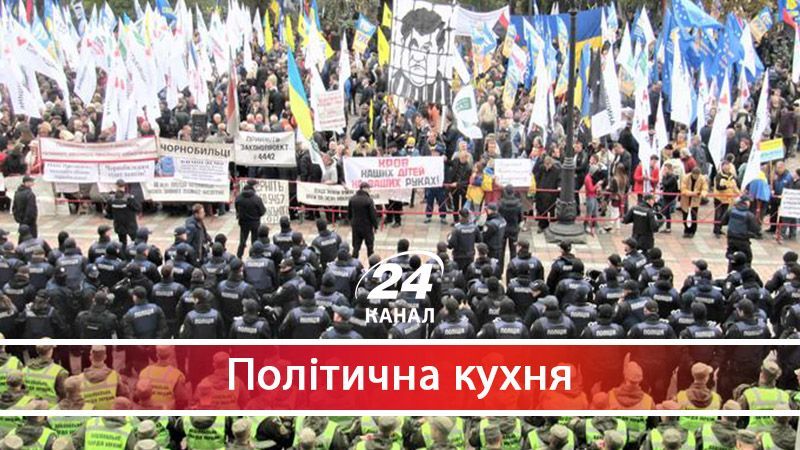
(406, 432)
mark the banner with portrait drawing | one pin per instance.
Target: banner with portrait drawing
(420, 65)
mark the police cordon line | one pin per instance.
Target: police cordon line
(291, 288)
(353, 377)
(165, 377)
(396, 433)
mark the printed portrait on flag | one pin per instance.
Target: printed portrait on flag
(420, 66)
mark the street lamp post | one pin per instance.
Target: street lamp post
(566, 229)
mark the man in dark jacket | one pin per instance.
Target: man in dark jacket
(123, 208)
(25, 210)
(249, 210)
(511, 210)
(196, 234)
(363, 220)
(548, 180)
(742, 225)
(643, 218)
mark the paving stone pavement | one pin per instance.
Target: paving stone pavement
(678, 252)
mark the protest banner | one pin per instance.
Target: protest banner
(194, 162)
(113, 152)
(171, 189)
(394, 172)
(319, 194)
(275, 195)
(329, 112)
(771, 150)
(265, 149)
(514, 172)
(790, 204)
(75, 162)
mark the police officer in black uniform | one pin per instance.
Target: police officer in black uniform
(341, 327)
(520, 289)
(203, 322)
(653, 327)
(326, 243)
(453, 326)
(182, 266)
(573, 286)
(271, 250)
(98, 249)
(180, 238)
(216, 268)
(167, 294)
(507, 325)
(328, 296)
(123, 208)
(742, 226)
(143, 263)
(746, 325)
(525, 258)
(144, 320)
(232, 291)
(97, 322)
(73, 264)
(701, 328)
(110, 266)
(250, 325)
(9, 263)
(475, 268)
(345, 275)
(779, 277)
(645, 223)
(604, 327)
(307, 321)
(153, 252)
(554, 324)
(462, 240)
(662, 292)
(494, 233)
(580, 311)
(260, 271)
(705, 292)
(406, 326)
(634, 261)
(283, 239)
(561, 266)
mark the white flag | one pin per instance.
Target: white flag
(640, 128)
(702, 98)
(625, 55)
(681, 88)
(607, 114)
(796, 57)
(465, 112)
(761, 122)
(643, 24)
(541, 112)
(344, 63)
(86, 76)
(718, 139)
(749, 60)
(661, 138)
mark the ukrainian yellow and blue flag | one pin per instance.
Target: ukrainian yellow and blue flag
(298, 101)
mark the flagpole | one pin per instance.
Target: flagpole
(566, 229)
